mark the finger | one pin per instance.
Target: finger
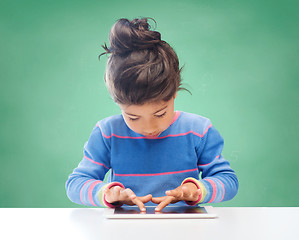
(134, 199)
(175, 193)
(197, 194)
(127, 194)
(146, 198)
(164, 203)
(198, 191)
(139, 203)
(158, 200)
(193, 196)
(130, 198)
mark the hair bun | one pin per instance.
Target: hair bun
(127, 36)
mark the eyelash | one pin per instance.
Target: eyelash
(158, 116)
(133, 119)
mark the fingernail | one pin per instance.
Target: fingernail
(143, 209)
(157, 209)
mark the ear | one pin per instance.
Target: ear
(174, 96)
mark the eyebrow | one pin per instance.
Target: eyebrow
(153, 113)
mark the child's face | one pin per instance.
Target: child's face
(149, 119)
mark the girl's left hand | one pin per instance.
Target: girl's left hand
(185, 192)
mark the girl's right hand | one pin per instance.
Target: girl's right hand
(126, 196)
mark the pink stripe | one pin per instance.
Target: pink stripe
(154, 174)
(90, 189)
(204, 133)
(82, 189)
(214, 189)
(223, 190)
(101, 164)
(170, 135)
(200, 165)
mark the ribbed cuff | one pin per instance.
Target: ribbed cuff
(102, 196)
(200, 186)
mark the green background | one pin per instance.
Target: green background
(241, 65)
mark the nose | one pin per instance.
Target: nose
(149, 129)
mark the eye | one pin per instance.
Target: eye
(133, 119)
(161, 115)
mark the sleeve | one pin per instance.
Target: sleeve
(85, 185)
(218, 180)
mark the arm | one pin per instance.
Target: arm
(85, 185)
(219, 182)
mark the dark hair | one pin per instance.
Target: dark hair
(141, 67)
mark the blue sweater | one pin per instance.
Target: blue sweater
(189, 147)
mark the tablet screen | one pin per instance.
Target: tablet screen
(166, 210)
(127, 212)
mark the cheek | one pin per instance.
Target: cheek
(132, 125)
(166, 122)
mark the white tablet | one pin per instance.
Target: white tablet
(167, 212)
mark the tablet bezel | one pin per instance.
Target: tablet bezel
(109, 213)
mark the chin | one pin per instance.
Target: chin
(152, 135)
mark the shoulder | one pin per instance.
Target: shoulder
(110, 121)
(194, 122)
(113, 124)
(194, 118)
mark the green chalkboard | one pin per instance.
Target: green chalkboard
(240, 63)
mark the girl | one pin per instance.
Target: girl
(155, 154)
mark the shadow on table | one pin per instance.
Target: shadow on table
(91, 225)
(88, 222)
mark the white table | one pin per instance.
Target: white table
(90, 224)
